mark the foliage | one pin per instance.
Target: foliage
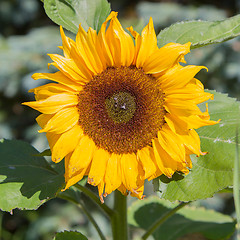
(189, 220)
(69, 14)
(27, 180)
(70, 236)
(201, 33)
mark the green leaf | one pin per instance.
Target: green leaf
(26, 180)
(70, 236)
(45, 153)
(70, 13)
(188, 220)
(214, 171)
(200, 33)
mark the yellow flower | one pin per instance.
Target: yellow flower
(121, 110)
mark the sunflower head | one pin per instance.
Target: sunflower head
(121, 110)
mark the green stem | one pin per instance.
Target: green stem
(83, 208)
(108, 211)
(119, 218)
(162, 220)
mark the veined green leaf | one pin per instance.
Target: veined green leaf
(70, 236)
(188, 220)
(200, 33)
(71, 13)
(26, 180)
(214, 171)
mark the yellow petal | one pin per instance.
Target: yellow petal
(50, 89)
(82, 156)
(102, 42)
(166, 164)
(165, 57)
(191, 92)
(188, 161)
(185, 166)
(54, 103)
(77, 163)
(66, 143)
(171, 143)
(81, 63)
(138, 40)
(197, 121)
(146, 156)
(177, 77)
(62, 121)
(100, 191)
(123, 190)
(181, 107)
(98, 167)
(52, 138)
(176, 124)
(120, 43)
(60, 78)
(85, 43)
(71, 180)
(66, 43)
(113, 173)
(132, 171)
(192, 142)
(43, 119)
(148, 45)
(138, 192)
(70, 68)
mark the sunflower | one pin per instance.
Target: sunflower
(121, 110)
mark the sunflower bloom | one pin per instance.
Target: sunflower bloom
(121, 110)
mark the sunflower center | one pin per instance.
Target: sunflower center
(121, 109)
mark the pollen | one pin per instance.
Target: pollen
(121, 109)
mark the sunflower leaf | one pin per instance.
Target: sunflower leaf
(45, 153)
(26, 179)
(71, 235)
(70, 13)
(188, 220)
(214, 171)
(200, 33)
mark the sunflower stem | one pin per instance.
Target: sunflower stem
(108, 211)
(87, 213)
(163, 219)
(119, 218)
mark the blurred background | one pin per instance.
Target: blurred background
(27, 35)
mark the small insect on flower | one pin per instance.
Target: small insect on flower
(121, 110)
